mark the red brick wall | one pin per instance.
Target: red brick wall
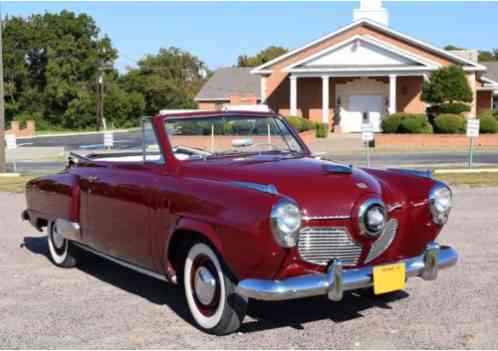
(432, 140)
(15, 129)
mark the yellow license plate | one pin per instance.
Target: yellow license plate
(389, 278)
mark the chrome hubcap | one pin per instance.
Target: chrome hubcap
(57, 238)
(204, 285)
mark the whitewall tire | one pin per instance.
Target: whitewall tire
(210, 292)
(60, 249)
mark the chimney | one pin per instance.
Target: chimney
(471, 55)
(371, 10)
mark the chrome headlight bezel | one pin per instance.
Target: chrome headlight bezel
(438, 193)
(286, 232)
(365, 227)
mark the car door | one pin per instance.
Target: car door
(119, 206)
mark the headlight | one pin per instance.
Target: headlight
(440, 203)
(286, 222)
(372, 216)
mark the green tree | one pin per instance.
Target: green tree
(488, 55)
(51, 66)
(169, 79)
(447, 85)
(452, 47)
(262, 57)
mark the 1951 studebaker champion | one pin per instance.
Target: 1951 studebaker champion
(233, 206)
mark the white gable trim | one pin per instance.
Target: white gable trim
(428, 64)
(472, 66)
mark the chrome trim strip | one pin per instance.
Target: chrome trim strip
(421, 173)
(265, 188)
(325, 218)
(393, 207)
(123, 263)
(384, 240)
(336, 280)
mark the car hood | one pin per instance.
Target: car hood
(312, 183)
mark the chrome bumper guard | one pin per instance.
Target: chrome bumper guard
(337, 280)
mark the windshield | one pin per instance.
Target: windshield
(195, 138)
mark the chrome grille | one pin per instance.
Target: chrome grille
(319, 245)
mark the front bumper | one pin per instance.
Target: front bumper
(336, 280)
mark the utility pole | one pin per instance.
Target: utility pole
(102, 67)
(100, 100)
(2, 101)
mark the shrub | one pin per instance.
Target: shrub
(322, 130)
(406, 123)
(485, 113)
(488, 123)
(391, 123)
(455, 108)
(450, 123)
(415, 124)
(300, 124)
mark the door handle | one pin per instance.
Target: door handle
(92, 179)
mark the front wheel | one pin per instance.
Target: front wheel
(210, 292)
(62, 251)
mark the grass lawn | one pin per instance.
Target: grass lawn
(15, 184)
(470, 179)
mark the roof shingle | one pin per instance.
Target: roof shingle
(492, 70)
(230, 81)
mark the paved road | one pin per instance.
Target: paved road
(408, 159)
(101, 305)
(76, 141)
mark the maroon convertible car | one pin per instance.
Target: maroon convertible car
(233, 206)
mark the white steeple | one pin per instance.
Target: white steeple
(372, 10)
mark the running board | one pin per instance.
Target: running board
(123, 263)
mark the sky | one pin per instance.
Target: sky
(219, 32)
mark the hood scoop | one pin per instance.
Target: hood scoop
(337, 168)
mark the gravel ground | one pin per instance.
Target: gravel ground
(101, 305)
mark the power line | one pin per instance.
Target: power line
(2, 101)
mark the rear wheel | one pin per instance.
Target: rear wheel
(210, 292)
(62, 251)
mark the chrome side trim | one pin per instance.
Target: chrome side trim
(265, 188)
(337, 168)
(325, 218)
(384, 241)
(123, 263)
(336, 280)
(70, 230)
(394, 206)
(421, 173)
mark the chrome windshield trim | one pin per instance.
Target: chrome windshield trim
(265, 188)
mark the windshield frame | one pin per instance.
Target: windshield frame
(235, 114)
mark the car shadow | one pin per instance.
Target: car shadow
(263, 315)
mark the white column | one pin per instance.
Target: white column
(293, 95)
(392, 93)
(263, 89)
(325, 99)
